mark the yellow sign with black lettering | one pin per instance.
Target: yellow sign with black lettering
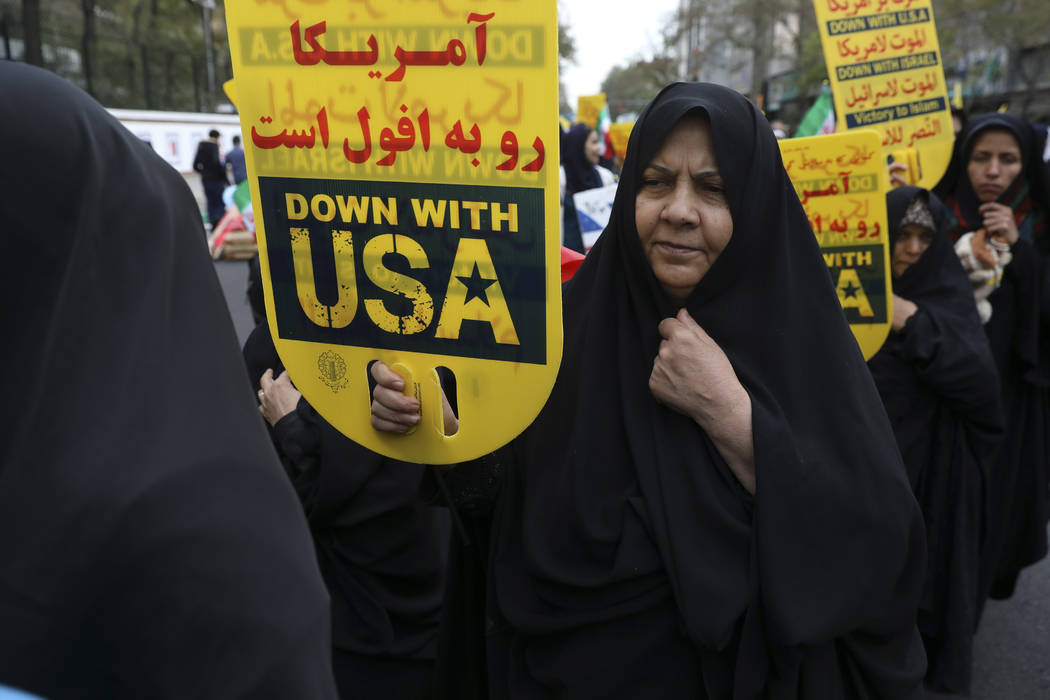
(403, 159)
(840, 180)
(884, 64)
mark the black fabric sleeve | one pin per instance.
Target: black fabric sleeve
(1023, 275)
(298, 440)
(1044, 301)
(861, 619)
(1041, 374)
(954, 365)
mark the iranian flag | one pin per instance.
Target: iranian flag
(242, 199)
(238, 217)
(820, 119)
(604, 122)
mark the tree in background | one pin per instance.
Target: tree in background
(629, 88)
(87, 43)
(999, 50)
(733, 42)
(126, 53)
(31, 31)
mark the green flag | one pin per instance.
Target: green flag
(820, 119)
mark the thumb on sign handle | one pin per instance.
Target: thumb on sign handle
(434, 408)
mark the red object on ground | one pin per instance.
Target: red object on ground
(231, 221)
(570, 262)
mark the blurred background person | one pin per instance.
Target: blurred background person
(235, 162)
(581, 150)
(208, 162)
(780, 129)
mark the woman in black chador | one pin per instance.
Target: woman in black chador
(380, 547)
(150, 546)
(711, 503)
(580, 171)
(996, 184)
(938, 381)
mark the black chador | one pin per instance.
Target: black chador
(150, 546)
(380, 547)
(938, 381)
(1019, 334)
(626, 560)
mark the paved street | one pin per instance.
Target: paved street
(1012, 649)
(233, 275)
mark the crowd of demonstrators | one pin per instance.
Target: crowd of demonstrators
(209, 164)
(581, 150)
(150, 544)
(998, 203)
(720, 499)
(704, 507)
(939, 385)
(380, 547)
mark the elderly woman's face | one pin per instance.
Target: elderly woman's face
(995, 162)
(681, 211)
(911, 243)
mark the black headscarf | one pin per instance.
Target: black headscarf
(150, 543)
(1020, 323)
(937, 277)
(620, 493)
(580, 173)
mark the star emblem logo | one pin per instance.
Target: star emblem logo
(476, 286)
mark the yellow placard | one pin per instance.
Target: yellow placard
(841, 181)
(620, 134)
(884, 63)
(957, 95)
(589, 109)
(403, 159)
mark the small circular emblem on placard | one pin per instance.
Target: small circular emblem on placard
(332, 369)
